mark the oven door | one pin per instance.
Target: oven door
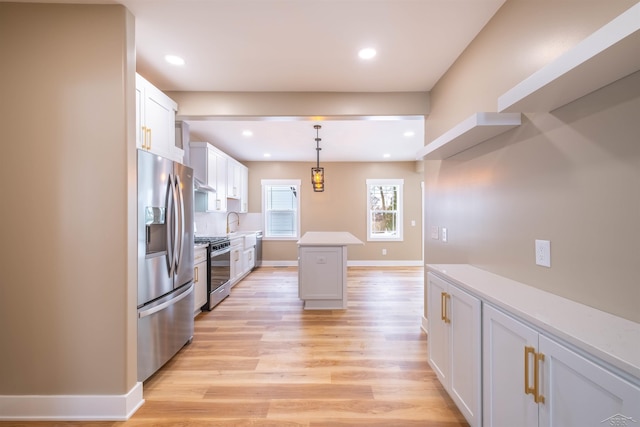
(219, 276)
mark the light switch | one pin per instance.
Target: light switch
(435, 232)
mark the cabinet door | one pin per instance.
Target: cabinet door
(581, 393)
(465, 355)
(212, 198)
(140, 133)
(249, 260)
(236, 263)
(221, 184)
(200, 286)
(233, 179)
(160, 122)
(438, 337)
(503, 381)
(244, 189)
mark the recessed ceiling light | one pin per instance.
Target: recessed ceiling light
(247, 133)
(409, 133)
(386, 155)
(267, 155)
(367, 53)
(174, 60)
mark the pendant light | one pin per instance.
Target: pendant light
(317, 173)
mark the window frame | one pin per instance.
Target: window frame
(399, 211)
(265, 184)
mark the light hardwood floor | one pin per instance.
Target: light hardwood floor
(259, 360)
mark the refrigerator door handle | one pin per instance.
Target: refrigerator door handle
(170, 227)
(165, 304)
(174, 225)
(180, 208)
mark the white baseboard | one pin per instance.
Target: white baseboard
(352, 263)
(396, 263)
(71, 407)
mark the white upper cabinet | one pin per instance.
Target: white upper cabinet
(155, 121)
(209, 167)
(237, 184)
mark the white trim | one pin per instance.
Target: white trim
(280, 182)
(425, 325)
(72, 407)
(398, 237)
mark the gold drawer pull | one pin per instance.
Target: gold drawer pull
(537, 397)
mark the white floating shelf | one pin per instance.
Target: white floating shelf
(609, 54)
(472, 131)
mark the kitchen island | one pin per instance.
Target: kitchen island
(322, 269)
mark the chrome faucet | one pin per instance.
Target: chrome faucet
(237, 221)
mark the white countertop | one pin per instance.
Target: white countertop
(328, 238)
(611, 338)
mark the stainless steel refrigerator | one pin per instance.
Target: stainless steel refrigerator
(165, 260)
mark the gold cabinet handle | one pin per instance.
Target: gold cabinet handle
(443, 307)
(149, 139)
(528, 351)
(144, 137)
(195, 274)
(537, 397)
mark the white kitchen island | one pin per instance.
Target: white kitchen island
(322, 269)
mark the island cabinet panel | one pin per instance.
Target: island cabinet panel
(321, 273)
(322, 269)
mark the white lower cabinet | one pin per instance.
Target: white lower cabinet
(236, 260)
(199, 279)
(530, 379)
(454, 343)
(249, 259)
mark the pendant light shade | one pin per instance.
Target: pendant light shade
(317, 173)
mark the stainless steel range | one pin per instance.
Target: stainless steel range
(219, 264)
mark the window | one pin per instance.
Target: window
(384, 209)
(281, 207)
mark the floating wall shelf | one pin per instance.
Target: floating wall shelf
(472, 131)
(610, 53)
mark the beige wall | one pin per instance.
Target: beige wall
(570, 176)
(67, 294)
(343, 206)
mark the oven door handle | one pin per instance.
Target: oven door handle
(220, 252)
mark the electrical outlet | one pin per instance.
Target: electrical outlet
(384, 252)
(445, 235)
(543, 253)
(413, 223)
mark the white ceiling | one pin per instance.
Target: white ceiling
(310, 46)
